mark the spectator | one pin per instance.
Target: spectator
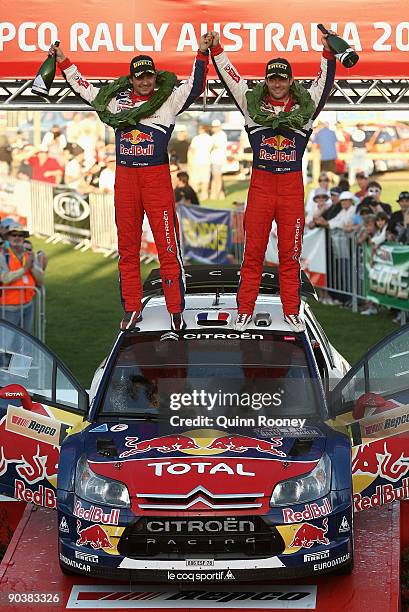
(44, 168)
(20, 273)
(74, 170)
(359, 217)
(362, 179)
(323, 183)
(107, 176)
(91, 177)
(403, 235)
(368, 229)
(343, 220)
(343, 146)
(218, 158)
(184, 194)
(335, 207)
(326, 139)
(375, 190)
(55, 142)
(174, 169)
(321, 205)
(199, 162)
(381, 223)
(359, 160)
(5, 155)
(178, 148)
(42, 258)
(396, 221)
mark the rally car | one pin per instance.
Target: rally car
(208, 455)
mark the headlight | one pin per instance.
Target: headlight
(99, 489)
(304, 488)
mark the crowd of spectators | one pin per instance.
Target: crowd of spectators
(361, 215)
(72, 154)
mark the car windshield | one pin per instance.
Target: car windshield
(211, 373)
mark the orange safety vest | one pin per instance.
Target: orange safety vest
(10, 297)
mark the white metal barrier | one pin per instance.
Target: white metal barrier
(18, 314)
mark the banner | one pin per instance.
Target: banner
(206, 234)
(71, 214)
(387, 279)
(313, 256)
(15, 200)
(101, 41)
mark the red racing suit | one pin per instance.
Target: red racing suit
(276, 187)
(143, 185)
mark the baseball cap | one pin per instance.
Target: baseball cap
(346, 195)
(279, 67)
(404, 195)
(141, 64)
(216, 123)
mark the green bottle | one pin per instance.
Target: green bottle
(342, 51)
(45, 76)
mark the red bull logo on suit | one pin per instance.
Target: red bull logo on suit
(278, 143)
(135, 138)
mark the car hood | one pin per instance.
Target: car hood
(201, 470)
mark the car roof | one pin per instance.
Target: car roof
(156, 316)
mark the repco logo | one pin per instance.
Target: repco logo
(297, 241)
(71, 206)
(167, 232)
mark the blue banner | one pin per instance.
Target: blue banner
(206, 234)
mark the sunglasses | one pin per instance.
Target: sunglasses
(16, 235)
(323, 180)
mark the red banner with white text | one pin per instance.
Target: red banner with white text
(101, 36)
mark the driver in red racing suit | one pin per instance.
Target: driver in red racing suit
(276, 188)
(142, 178)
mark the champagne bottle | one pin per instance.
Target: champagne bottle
(45, 75)
(341, 49)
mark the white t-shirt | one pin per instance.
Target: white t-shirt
(218, 153)
(107, 179)
(199, 150)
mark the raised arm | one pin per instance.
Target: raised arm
(228, 74)
(321, 87)
(79, 84)
(184, 95)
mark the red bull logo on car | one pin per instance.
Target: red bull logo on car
(219, 444)
(94, 536)
(384, 458)
(307, 535)
(135, 138)
(279, 144)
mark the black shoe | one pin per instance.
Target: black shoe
(177, 321)
(130, 319)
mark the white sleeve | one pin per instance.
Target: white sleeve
(84, 88)
(231, 78)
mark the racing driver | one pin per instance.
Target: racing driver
(278, 114)
(142, 109)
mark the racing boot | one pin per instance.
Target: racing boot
(130, 319)
(241, 322)
(177, 321)
(295, 322)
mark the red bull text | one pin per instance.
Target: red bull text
(278, 143)
(135, 138)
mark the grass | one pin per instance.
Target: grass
(83, 311)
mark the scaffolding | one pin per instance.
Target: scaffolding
(365, 95)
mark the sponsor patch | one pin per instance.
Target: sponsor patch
(344, 525)
(94, 514)
(64, 525)
(316, 556)
(37, 426)
(119, 427)
(311, 511)
(275, 597)
(99, 429)
(88, 557)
